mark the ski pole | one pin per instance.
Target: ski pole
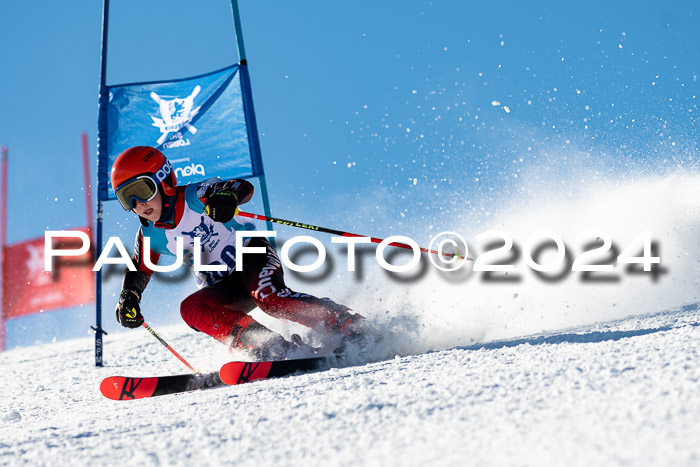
(149, 329)
(341, 233)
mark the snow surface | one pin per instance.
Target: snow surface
(618, 393)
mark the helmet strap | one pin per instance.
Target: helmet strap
(168, 209)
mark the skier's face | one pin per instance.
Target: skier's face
(150, 210)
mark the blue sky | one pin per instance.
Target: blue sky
(372, 115)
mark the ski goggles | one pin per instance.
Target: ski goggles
(142, 188)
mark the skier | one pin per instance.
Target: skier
(144, 182)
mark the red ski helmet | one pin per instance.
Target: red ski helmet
(138, 172)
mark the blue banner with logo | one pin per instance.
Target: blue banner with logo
(199, 123)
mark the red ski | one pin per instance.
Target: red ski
(121, 388)
(244, 372)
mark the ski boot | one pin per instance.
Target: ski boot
(264, 345)
(357, 333)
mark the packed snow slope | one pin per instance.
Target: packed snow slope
(621, 392)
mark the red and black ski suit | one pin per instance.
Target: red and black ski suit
(220, 308)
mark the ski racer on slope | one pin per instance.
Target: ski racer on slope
(144, 182)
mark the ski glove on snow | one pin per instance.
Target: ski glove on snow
(128, 309)
(222, 205)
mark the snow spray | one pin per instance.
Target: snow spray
(439, 311)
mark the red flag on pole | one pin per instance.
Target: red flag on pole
(26, 287)
(30, 289)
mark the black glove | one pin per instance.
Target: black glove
(222, 205)
(128, 309)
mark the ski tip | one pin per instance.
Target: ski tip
(233, 373)
(111, 387)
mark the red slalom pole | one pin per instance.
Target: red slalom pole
(148, 328)
(341, 233)
(3, 242)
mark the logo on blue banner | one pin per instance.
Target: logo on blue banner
(175, 114)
